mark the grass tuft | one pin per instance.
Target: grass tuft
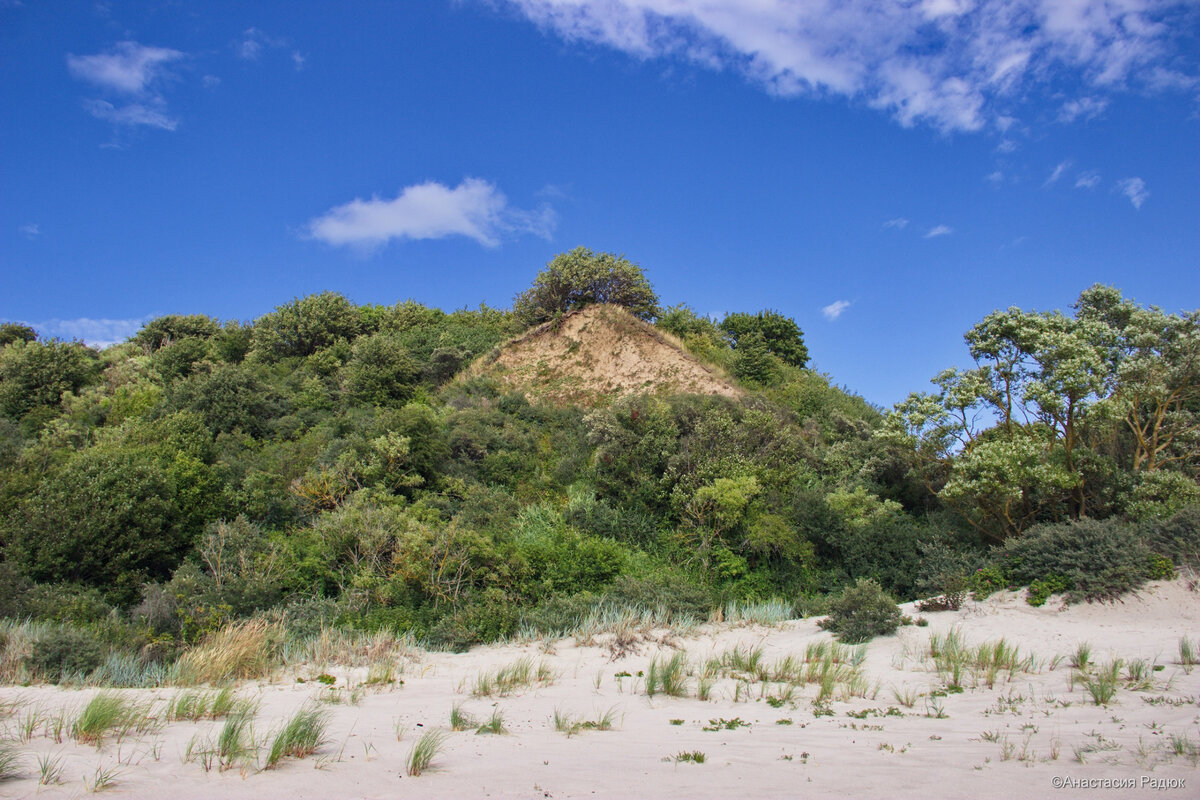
(423, 752)
(300, 736)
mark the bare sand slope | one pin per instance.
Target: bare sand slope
(899, 739)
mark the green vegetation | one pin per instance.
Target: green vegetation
(424, 751)
(208, 500)
(302, 735)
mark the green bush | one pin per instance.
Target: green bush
(62, 652)
(1041, 589)
(1099, 560)
(1177, 538)
(677, 595)
(862, 612)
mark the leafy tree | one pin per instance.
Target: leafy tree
(305, 325)
(581, 278)
(160, 332)
(109, 519)
(380, 371)
(781, 335)
(15, 332)
(228, 397)
(37, 374)
(753, 361)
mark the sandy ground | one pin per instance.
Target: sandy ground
(1018, 739)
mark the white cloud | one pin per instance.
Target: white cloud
(130, 115)
(995, 177)
(250, 47)
(131, 68)
(1083, 107)
(95, 332)
(939, 230)
(1088, 179)
(1135, 189)
(1057, 173)
(951, 64)
(30, 229)
(1006, 146)
(834, 310)
(298, 60)
(899, 223)
(475, 209)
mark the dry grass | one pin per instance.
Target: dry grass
(238, 651)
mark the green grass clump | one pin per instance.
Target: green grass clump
(1102, 684)
(494, 725)
(505, 680)
(235, 742)
(300, 736)
(110, 713)
(460, 720)
(10, 761)
(667, 677)
(694, 757)
(1188, 655)
(423, 752)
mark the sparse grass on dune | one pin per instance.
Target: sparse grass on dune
(420, 758)
(984, 664)
(505, 680)
(460, 720)
(494, 725)
(111, 713)
(10, 761)
(571, 724)
(302, 735)
(667, 676)
(764, 612)
(238, 651)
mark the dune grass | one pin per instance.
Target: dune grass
(10, 761)
(494, 725)
(238, 651)
(667, 676)
(505, 680)
(420, 758)
(300, 736)
(111, 713)
(460, 720)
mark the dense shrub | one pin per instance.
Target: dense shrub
(581, 278)
(862, 612)
(62, 652)
(674, 594)
(1177, 538)
(1099, 560)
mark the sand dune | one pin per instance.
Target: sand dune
(891, 732)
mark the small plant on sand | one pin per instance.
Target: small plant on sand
(9, 761)
(518, 675)
(299, 737)
(50, 769)
(1188, 652)
(235, 742)
(494, 725)
(667, 677)
(424, 751)
(460, 720)
(1102, 685)
(101, 780)
(693, 757)
(1082, 656)
(110, 713)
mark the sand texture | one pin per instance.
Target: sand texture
(885, 733)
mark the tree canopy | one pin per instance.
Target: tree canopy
(580, 278)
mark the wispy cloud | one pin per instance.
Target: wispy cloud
(1083, 107)
(1088, 179)
(995, 177)
(135, 73)
(131, 115)
(95, 332)
(1057, 173)
(899, 223)
(939, 230)
(1135, 189)
(130, 68)
(835, 309)
(30, 229)
(958, 65)
(475, 209)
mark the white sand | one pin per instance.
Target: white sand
(916, 755)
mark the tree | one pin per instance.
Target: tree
(581, 278)
(172, 328)
(306, 325)
(782, 336)
(15, 332)
(37, 374)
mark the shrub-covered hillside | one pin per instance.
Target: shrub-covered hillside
(334, 464)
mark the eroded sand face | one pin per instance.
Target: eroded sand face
(983, 742)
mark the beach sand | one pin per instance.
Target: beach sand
(903, 739)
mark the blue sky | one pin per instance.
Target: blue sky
(887, 173)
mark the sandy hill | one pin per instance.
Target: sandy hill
(596, 353)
